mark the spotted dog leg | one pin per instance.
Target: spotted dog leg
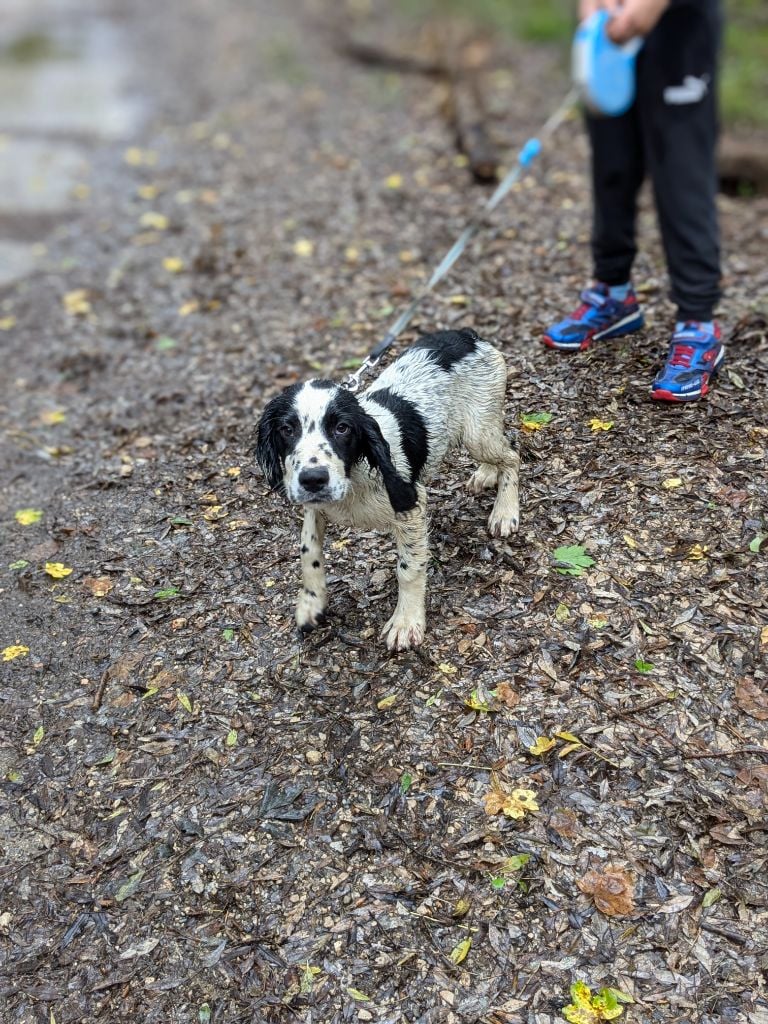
(314, 594)
(406, 627)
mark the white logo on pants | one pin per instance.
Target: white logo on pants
(691, 91)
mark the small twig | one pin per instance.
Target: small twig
(727, 753)
(99, 695)
(727, 933)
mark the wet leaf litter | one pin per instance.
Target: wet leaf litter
(550, 791)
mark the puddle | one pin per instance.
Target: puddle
(65, 76)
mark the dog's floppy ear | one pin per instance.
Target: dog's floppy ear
(401, 493)
(269, 448)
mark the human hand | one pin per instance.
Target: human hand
(634, 18)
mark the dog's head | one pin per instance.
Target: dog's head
(311, 436)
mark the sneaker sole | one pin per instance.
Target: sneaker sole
(663, 395)
(628, 325)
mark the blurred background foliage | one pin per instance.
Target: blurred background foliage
(744, 79)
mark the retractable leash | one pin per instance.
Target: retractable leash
(597, 77)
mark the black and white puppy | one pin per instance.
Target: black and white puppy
(364, 462)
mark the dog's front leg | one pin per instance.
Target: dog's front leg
(314, 595)
(406, 627)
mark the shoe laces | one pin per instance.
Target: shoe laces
(681, 355)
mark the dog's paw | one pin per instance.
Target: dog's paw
(485, 476)
(310, 611)
(402, 634)
(501, 524)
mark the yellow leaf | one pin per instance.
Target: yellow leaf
(459, 953)
(15, 651)
(231, 738)
(53, 417)
(173, 264)
(394, 181)
(598, 424)
(387, 702)
(447, 669)
(542, 745)
(697, 552)
(136, 157)
(520, 801)
(189, 307)
(184, 700)
(57, 569)
(28, 516)
(672, 483)
(304, 247)
(214, 513)
(764, 636)
(7, 323)
(569, 749)
(458, 300)
(233, 471)
(406, 256)
(630, 542)
(351, 254)
(156, 221)
(39, 733)
(359, 996)
(148, 191)
(568, 736)
(76, 302)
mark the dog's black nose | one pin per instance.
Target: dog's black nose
(314, 479)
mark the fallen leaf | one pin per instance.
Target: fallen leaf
(672, 483)
(99, 586)
(154, 220)
(304, 247)
(394, 181)
(752, 698)
(173, 264)
(147, 191)
(15, 651)
(697, 552)
(38, 736)
(7, 323)
(507, 695)
(28, 516)
(612, 890)
(591, 1009)
(643, 666)
(562, 612)
(52, 417)
(359, 996)
(572, 560)
(387, 702)
(458, 300)
(189, 307)
(184, 700)
(514, 805)
(531, 421)
(231, 739)
(57, 570)
(76, 302)
(596, 425)
(459, 953)
(541, 746)
(136, 157)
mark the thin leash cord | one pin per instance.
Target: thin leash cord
(525, 158)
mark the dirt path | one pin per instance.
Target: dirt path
(203, 818)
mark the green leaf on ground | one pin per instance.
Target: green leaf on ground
(643, 666)
(129, 888)
(167, 593)
(406, 781)
(231, 740)
(572, 561)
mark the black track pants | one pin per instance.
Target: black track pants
(670, 133)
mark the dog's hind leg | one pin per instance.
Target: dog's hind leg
(486, 441)
(314, 594)
(406, 627)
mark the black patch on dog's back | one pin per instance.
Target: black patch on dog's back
(449, 347)
(413, 431)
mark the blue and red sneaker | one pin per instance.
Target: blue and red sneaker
(599, 316)
(695, 355)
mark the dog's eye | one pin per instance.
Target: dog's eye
(287, 429)
(341, 428)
